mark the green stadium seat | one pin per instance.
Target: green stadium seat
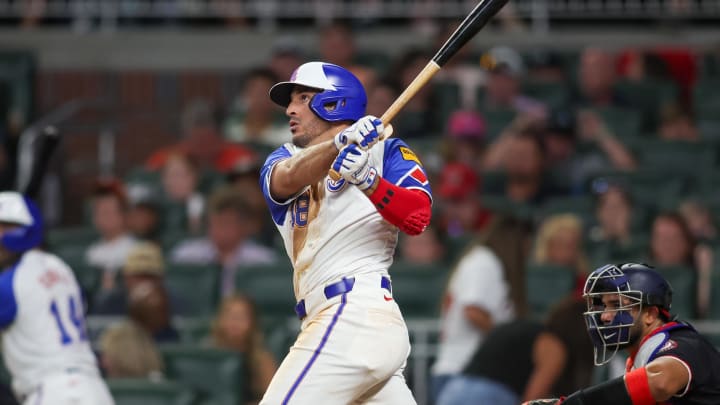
(418, 289)
(82, 236)
(554, 95)
(624, 123)
(503, 205)
(582, 206)
(546, 286)
(677, 157)
(447, 100)
(193, 330)
(683, 281)
(270, 287)
(379, 61)
(706, 97)
(198, 285)
(497, 121)
(649, 97)
(4, 374)
(216, 374)
(146, 392)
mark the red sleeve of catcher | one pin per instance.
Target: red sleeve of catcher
(408, 209)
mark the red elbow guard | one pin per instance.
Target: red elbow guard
(409, 210)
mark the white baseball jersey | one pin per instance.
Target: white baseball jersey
(42, 322)
(332, 230)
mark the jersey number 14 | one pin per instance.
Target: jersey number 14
(75, 315)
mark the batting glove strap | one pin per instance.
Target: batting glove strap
(549, 401)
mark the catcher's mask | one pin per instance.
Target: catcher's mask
(625, 287)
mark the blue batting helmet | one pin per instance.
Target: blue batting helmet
(19, 210)
(341, 97)
(636, 286)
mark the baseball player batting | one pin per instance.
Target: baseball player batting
(340, 236)
(44, 343)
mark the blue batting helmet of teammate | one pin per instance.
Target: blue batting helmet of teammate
(637, 286)
(341, 97)
(16, 209)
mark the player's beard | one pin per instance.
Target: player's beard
(7, 258)
(309, 131)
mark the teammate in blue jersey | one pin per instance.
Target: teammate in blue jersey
(44, 342)
(340, 237)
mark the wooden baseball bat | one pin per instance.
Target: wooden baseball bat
(478, 18)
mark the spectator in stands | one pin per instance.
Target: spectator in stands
(574, 166)
(597, 79)
(201, 140)
(699, 219)
(252, 120)
(428, 248)
(337, 45)
(462, 70)
(545, 66)
(559, 242)
(611, 238)
(672, 244)
(149, 307)
(464, 140)
(677, 124)
(109, 210)
(546, 360)
(237, 328)
(520, 153)
(286, 56)
(232, 223)
(462, 213)
(127, 351)
(485, 289)
(184, 204)
(381, 96)
(143, 219)
(420, 116)
(243, 176)
(503, 87)
(144, 264)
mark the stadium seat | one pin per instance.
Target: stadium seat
(198, 285)
(139, 391)
(418, 289)
(216, 374)
(4, 374)
(686, 157)
(270, 287)
(683, 281)
(82, 236)
(706, 97)
(554, 95)
(193, 330)
(623, 122)
(547, 285)
(497, 121)
(648, 97)
(582, 206)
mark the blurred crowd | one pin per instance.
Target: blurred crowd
(542, 162)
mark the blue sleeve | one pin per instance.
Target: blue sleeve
(278, 209)
(402, 167)
(8, 304)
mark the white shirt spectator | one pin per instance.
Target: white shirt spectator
(479, 280)
(110, 255)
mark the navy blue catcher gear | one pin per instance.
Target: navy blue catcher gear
(18, 210)
(635, 286)
(341, 97)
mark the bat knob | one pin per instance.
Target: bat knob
(334, 175)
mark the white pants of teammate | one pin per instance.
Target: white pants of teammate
(70, 389)
(351, 349)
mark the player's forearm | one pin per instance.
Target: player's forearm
(302, 169)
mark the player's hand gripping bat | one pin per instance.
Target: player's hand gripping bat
(478, 18)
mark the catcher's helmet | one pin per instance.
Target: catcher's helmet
(342, 96)
(19, 210)
(636, 285)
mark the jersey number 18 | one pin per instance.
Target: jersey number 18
(75, 315)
